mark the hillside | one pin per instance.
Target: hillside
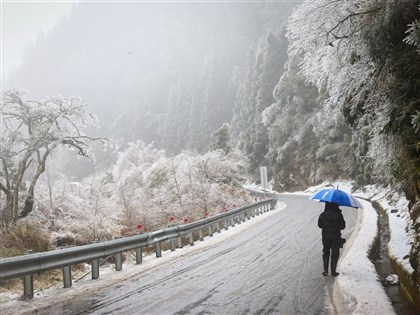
(315, 91)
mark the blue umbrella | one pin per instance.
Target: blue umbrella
(336, 196)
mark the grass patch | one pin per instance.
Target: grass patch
(22, 238)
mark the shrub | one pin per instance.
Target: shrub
(23, 237)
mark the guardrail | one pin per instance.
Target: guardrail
(27, 265)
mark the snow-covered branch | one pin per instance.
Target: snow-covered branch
(34, 129)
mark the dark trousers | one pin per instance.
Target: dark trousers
(331, 248)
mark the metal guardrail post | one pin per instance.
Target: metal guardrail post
(95, 269)
(201, 235)
(139, 255)
(191, 239)
(273, 204)
(67, 276)
(28, 287)
(218, 227)
(158, 250)
(118, 261)
(172, 242)
(28, 284)
(27, 265)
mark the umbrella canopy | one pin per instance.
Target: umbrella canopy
(336, 196)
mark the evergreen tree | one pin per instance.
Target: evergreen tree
(255, 94)
(221, 139)
(305, 145)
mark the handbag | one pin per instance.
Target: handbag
(342, 241)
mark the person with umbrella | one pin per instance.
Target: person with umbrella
(331, 221)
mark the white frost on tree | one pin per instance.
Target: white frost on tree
(329, 35)
(153, 187)
(31, 132)
(335, 56)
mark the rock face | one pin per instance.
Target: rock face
(415, 249)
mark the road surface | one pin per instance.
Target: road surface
(273, 267)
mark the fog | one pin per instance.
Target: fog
(21, 22)
(150, 70)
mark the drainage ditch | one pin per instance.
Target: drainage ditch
(379, 256)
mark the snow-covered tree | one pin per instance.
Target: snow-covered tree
(255, 93)
(335, 53)
(31, 132)
(338, 57)
(152, 187)
(221, 138)
(357, 51)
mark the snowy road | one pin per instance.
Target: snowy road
(273, 266)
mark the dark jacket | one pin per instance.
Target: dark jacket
(331, 221)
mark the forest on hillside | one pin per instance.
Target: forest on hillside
(160, 72)
(315, 91)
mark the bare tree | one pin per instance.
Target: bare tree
(30, 132)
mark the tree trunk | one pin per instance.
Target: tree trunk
(15, 205)
(7, 212)
(27, 208)
(29, 202)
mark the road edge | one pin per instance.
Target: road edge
(357, 274)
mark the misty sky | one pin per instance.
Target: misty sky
(21, 22)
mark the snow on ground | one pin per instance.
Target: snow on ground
(358, 281)
(358, 285)
(396, 207)
(108, 277)
(357, 288)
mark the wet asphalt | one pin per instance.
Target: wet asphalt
(273, 267)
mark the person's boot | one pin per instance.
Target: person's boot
(326, 263)
(334, 273)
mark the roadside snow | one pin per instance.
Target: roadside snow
(109, 277)
(358, 282)
(396, 207)
(357, 288)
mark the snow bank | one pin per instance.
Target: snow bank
(402, 234)
(358, 286)
(358, 283)
(396, 207)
